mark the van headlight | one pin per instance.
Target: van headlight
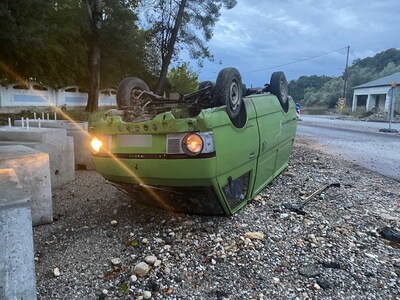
(192, 144)
(99, 144)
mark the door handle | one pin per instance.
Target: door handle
(251, 156)
(263, 146)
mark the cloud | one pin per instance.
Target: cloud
(261, 34)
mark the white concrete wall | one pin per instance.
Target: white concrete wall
(370, 102)
(34, 94)
(382, 101)
(372, 90)
(30, 94)
(108, 97)
(72, 96)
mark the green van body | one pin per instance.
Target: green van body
(244, 161)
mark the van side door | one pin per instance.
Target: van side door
(268, 113)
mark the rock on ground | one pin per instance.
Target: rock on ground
(335, 251)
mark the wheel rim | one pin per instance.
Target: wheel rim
(234, 95)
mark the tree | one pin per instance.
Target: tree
(310, 96)
(114, 34)
(21, 37)
(58, 43)
(332, 91)
(125, 49)
(42, 41)
(182, 79)
(176, 25)
(390, 69)
(94, 11)
(380, 60)
(63, 59)
(297, 88)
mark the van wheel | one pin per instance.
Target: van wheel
(127, 90)
(229, 91)
(279, 87)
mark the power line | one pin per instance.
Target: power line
(295, 62)
(291, 63)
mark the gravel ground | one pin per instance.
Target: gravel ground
(265, 251)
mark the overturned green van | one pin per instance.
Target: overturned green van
(208, 152)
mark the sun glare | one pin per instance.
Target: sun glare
(97, 144)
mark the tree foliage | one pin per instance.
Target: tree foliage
(182, 79)
(96, 43)
(182, 25)
(52, 42)
(42, 41)
(379, 61)
(21, 36)
(327, 95)
(298, 87)
(122, 44)
(63, 58)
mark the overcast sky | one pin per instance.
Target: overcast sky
(260, 34)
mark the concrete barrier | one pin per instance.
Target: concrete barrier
(33, 172)
(17, 268)
(54, 142)
(78, 131)
(83, 156)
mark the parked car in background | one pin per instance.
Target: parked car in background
(209, 152)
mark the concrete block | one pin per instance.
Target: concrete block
(79, 132)
(44, 135)
(33, 171)
(62, 168)
(83, 156)
(17, 267)
(54, 142)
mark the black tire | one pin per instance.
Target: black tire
(204, 84)
(279, 87)
(229, 91)
(126, 88)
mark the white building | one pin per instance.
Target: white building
(377, 93)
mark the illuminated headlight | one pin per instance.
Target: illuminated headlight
(96, 144)
(99, 144)
(190, 143)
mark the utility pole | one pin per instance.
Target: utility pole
(346, 74)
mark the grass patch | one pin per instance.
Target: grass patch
(317, 110)
(75, 114)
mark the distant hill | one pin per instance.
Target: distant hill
(325, 90)
(379, 61)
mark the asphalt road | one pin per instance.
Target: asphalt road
(358, 142)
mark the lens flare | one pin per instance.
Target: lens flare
(96, 144)
(121, 163)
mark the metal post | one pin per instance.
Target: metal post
(392, 100)
(346, 73)
(390, 112)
